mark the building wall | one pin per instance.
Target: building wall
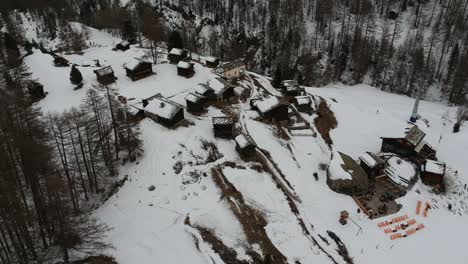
(234, 73)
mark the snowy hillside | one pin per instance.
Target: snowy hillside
(209, 205)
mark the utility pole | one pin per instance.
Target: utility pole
(414, 115)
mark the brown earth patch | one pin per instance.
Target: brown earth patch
(325, 121)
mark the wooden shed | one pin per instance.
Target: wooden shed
(372, 164)
(163, 110)
(105, 75)
(185, 69)
(176, 55)
(432, 172)
(194, 102)
(291, 87)
(271, 108)
(123, 45)
(245, 145)
(303, 104)
(205, 90)
(137, 69)
(223, 126)
(211, 62)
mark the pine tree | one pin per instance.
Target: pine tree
(129, 31)
(75, 76)
(277, 78)
(175, 40)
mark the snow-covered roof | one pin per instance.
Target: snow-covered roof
(244, 141)
(400, 171)
(267, 104)
(202, 88)
(211, 59)
(132, 64)
(371, 159)
(219, 85)
(435, 167)
(184, 65)
(104, 71)
(227, 66)
(193, 97)
(163, 107)
(415, 135)
(303, 100)
(222, 120)
(124, 43)
(176, 51)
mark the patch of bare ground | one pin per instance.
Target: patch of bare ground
(227, 254)
(184, 123)
(325, 121)
(294, 209)
(252, 221)
(342, 250)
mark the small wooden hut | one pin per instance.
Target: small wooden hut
(303, 104)
(137, 69)
(176, 55)
(432, 172)
(194, 103)
(105, 75)
(291, 87)
(223, 126)
(123, 45)
(245, 145)
(372, 164)
(185, 69)
(211, 62)
(163, 111)
(271, 108)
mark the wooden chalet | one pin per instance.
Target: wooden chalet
(271, 108)
(245, 145)
(372, 164)
(137, 69)
(223, 90)
(303, 104)
(61, 62)
(163, 110)
(291, 88)
(123, 45)
(176, 55)
(231, 70)
(185, 69)
(194, 102)
(36, 90)
(105, 75)
(223, 126)
(432, 172)
(410, 145)
(211, 62)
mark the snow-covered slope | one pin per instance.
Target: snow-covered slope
(163, 226)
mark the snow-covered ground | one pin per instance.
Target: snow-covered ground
(149, 226)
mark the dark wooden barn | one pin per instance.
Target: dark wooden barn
(105, 75)
(271, 108)
(291, 87)
(410, 145)
(123, 46)
(163, 110)
(223, 126)
(36, 90)
(303, 104)
(432, 173)
(185, 69)
(137, 69)
(194, 103)
(245, 145)
(372, 164)
(176, 55)
(211, 62)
